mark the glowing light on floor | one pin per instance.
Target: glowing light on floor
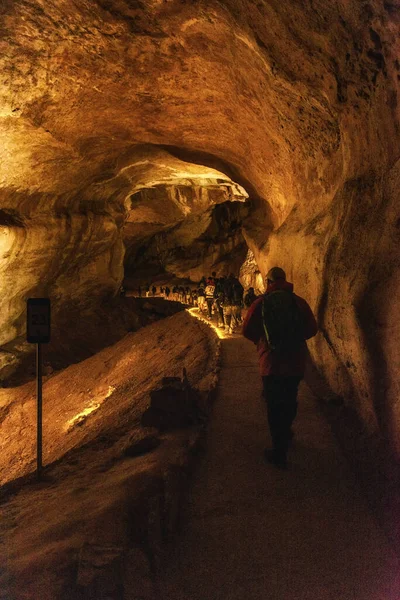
(93, 406)
(195, 313)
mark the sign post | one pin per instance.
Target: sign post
(39, 437)
(38, 332)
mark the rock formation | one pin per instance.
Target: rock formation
(183, 219)
(295, 102)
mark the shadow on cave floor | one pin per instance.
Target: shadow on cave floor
(252, 531)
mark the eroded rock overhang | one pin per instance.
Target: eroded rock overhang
(183, 218)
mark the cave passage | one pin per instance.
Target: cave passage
(155, 142)
(184, 226)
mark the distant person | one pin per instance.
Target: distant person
(249, 297)
(147, 289)
(153, 290)
(201, 299)
(219, 301)
(233, 301)
(203, 282)
(280, 322)
(209, 294)
(238, 292)
(167, 292)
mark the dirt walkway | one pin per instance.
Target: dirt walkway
(252, 532)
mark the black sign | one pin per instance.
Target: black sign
(38, 321)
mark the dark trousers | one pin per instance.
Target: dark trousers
(210, 302)
(280, 393)
(220, 313)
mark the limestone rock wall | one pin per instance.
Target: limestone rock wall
(347, 259)
(296, 101)
(75, 258)
(250, 275)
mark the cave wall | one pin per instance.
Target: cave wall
(299, 99)
(73, 257)
(250, 274)
(349, 261)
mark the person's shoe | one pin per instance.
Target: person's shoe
(275, 459)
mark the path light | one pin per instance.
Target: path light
(195, 313)
(93, 406)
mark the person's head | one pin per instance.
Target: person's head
(213, 274)
(251, 290)
(275, 274)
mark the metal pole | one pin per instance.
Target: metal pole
(39, 407)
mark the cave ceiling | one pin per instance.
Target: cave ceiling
(262, 86)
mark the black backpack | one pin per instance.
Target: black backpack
(249, 299)
(219, 287)
(282, 320)
(237, 292)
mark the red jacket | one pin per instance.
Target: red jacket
(270, 363)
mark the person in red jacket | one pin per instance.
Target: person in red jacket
(282, 362)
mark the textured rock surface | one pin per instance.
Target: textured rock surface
(107, 511)
(296, 102)
(183, 219)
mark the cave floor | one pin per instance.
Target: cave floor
(251, 531)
